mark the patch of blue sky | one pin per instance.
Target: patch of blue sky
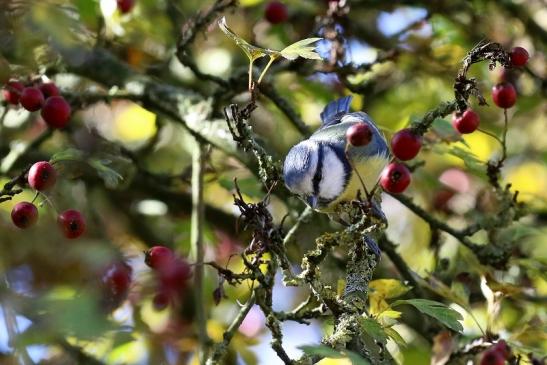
(391, 23)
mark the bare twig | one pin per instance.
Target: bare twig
(197, 223)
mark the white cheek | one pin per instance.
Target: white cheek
(333, 177)
(305, 183)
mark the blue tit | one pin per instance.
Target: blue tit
(317, 169)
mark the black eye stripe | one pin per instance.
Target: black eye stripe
(318, 171)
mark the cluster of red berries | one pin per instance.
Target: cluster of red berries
(115, 284)
(504, 96)
(172, 273)
(42, 176)
(45, 96)
(125, 6)
(497, 354)
(406, 143)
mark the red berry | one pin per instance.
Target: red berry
(72, 223)
(49, 89)
(173, 276)
(395, 178)
(492, 357)
(31, 99)
(158, 256)
(42, 176)
(359, 134)
(117, 278)
(502, 348)
(12, 92)
(504, 95)
(406, 144)
(276, 12)
(519, 56)
(125, 6)
(161, 300)
(466, 122)
(441, 199)
(56, 112)
(24, 214)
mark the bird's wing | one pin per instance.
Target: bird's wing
(333, 111)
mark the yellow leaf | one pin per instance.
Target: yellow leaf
(331, 361)
(383, 289)
(135, 124)
(215, 330)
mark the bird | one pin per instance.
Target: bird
(320, 169)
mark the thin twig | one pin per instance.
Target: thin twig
(219, 349)
(197, 222)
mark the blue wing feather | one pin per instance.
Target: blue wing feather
(334, 110)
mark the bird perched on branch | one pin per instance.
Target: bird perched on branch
(321, 170)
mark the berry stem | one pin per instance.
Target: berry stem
(504, 137)
(491, 135)
(35, 196)
(47, 200)
(357, 173)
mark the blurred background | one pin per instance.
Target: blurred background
(132, 175)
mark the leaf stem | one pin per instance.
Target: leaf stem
(273, 57)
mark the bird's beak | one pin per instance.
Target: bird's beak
(312, 201)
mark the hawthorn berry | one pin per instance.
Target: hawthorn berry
(117, 278)
(492, 357)
(115, 284)
(49, 89)
(42, 176)
(173, 276)
(405, 144)
(158, 256)
(359, 134)
(519, 56)
(395, 178)
(441, 200)
(12, 92)
(72, 223)
(24, 215)
(466, 122)
(125, 6)
(502, 348)
(276, 12)
(31, 99)
(504, 95)
(56, 112)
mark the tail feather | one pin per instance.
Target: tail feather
(334, 110)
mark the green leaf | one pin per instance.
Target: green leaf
(301, 49)
(444, 130)
(321, 350)
(253, 52)
(447, 316)
(70, 154)
(374, 329)
(110, 176)
(395, 336)
(470, 160)
(356, 359)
